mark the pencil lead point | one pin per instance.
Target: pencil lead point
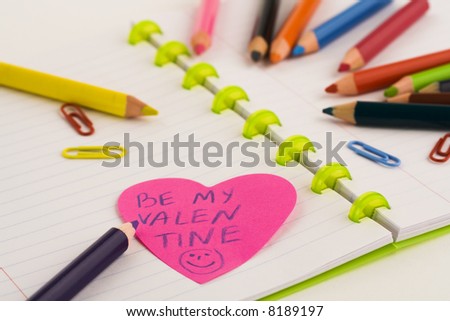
(298, 51)
(256, 56)
(135, 224)
(328, 111)
(199, 49)
(332, 89)
(344, 67)
(149, 111)
(391, 92)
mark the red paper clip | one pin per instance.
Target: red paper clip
(77, 119)
(437, 154)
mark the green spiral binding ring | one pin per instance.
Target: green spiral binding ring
(256, 123)
(226, 98)
(169, 52)
(365, 206)
(292, 148)
(142, 31)
(197, 74)
(327, 176)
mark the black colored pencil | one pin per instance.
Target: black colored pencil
(392, 114)
(74, 277)
(263, 31)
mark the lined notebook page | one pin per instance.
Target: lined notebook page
(294, 89)
(54, 208)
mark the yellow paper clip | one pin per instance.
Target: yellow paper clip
(93, 152)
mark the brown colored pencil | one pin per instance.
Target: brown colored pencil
(437, 99)
(383, 76)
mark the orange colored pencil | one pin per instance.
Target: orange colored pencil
(292, 28)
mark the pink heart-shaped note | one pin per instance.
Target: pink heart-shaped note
(203, 232)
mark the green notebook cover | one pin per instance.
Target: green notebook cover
(360, 261)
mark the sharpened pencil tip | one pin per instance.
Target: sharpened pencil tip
(391, 92)
(328, 111)
(199, 49)
(149, 111)
(332, 89)
(135, 224)
(298, 51)
(129, 230)
(344, 67)
(256, 56)
(274, 58)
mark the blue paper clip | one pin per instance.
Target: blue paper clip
(373, 154)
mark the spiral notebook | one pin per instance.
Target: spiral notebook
(52, 209)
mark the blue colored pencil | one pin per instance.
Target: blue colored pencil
(338, 25)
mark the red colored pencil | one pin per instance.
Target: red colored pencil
(363, 81)
(381, 37)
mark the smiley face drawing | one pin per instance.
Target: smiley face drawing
(201, 261)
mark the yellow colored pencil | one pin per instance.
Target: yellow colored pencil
(70, 91)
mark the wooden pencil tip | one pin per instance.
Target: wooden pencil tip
(332, 89)
(199, 49)
(256, 56)
(433, 88)
(399, 98)
(391, 92)
(328, 111)
(129, 230)
(275, 57)
(149, 111)
(344, 67)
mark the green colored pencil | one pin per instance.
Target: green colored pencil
(417, 81)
